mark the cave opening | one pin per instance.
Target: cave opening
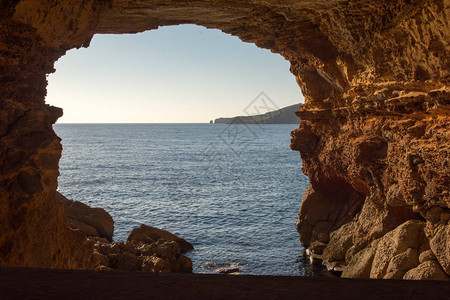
(373, 77)
(136, 143)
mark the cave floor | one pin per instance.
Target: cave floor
(28, 283)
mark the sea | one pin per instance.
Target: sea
(231, 190)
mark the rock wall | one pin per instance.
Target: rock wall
(373, 136)
(378, 155)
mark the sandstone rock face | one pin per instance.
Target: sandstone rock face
(373, 136)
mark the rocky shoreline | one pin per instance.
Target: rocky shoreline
(147, 249)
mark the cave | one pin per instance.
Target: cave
(373, 134)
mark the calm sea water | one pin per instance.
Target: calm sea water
(233, 191)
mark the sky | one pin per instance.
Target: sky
(175, 74)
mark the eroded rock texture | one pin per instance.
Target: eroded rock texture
(373, 136)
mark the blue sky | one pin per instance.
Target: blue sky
(176, 74)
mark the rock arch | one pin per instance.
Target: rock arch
(373, 135)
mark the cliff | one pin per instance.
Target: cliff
(285, 115)
(373, 133)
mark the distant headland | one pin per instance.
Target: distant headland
(284, 115)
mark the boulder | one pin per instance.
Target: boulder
(147, 249)
(440, 245)
(429, 270)
(148, 234)
(426, 255)
(83, 227)
(91, 221)
(407, 235)
(156, 257)
(360, 265)
(185, 264)
(401, 263)
(125, 262)
(154, 264)
(340, 241)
